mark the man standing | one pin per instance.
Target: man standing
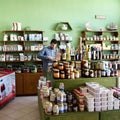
(47, 54)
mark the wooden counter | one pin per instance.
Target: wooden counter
(26, 83)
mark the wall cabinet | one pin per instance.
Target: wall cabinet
(26, 83)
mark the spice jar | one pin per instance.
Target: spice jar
(56, 73)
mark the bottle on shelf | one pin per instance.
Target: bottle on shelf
(89, 52)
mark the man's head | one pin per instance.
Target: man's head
(53, 43)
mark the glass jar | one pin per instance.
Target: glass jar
(67, 70)
(55, 64)
(78, 64)
(62, 75)
(68, 76)
(66, 64)
(61, 66)
(55, 110)
(77, 74)
(71, 68)
(56, 73)
(72, 75)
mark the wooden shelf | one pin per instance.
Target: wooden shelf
(60, 25)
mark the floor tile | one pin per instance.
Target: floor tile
(21, 108)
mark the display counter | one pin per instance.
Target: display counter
(70, 84)
(7, 86)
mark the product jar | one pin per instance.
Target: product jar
(72, 75)
(62, 74)
(55, 64)
(77, 74)
(61, 66)
(56, 73)
(66, 64)
(55, 110)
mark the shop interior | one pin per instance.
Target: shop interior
(83, 81)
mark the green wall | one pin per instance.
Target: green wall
(44, 14)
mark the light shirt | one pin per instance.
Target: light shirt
(43, 54)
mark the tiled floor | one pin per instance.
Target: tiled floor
(21, 108)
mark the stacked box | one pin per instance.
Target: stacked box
(89, 101)
(103, 97)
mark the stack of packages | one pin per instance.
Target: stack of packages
(99, 98)
(80, 99)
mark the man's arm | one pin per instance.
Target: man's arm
(42, 54)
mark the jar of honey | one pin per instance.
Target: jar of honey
(66, 64)
(77, 74)
(56, 73)
(61, 66)
(62, 74)
(55, 64)
(67, 70)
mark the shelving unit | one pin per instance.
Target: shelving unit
(64, 39)
(107, 41)
(63, 26)
(19, 51)
(21, 47)
(101, 51)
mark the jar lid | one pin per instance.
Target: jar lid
(60, 63)
(55, 70)
(62, 72)
(55, 61)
